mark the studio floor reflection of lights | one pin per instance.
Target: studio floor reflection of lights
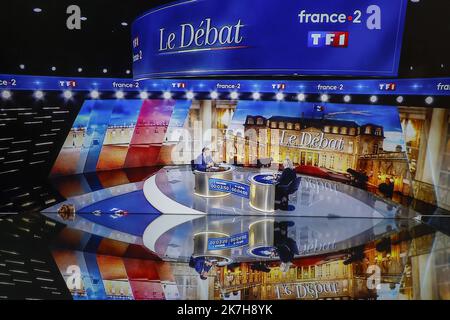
(381, 255)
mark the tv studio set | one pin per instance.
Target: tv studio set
(239, 150)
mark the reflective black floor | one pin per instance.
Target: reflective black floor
(117, 247)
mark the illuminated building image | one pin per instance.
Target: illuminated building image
(325, 143)
(427, 138)
(194, 126)
(115, 146)
(399, 259)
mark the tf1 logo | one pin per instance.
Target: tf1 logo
(279, 86)
(179, 85)
(336, 39)
(387, 86)
(136, 42)
(68, 84)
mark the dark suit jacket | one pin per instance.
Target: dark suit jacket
(201, 163)
(199, 264)
(286, 248)
(287, 177)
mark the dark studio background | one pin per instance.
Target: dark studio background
(41, 40)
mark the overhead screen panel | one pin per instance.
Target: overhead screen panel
(324, 139)
(322, 37)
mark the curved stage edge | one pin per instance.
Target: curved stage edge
(171, 191)
(104, 225)
(164, 212)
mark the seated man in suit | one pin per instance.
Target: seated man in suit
(201, 265)
(204, 161)
(284, 180)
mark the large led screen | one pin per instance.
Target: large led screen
(373, 145)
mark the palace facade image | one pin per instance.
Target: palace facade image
(335, 145)
(398, 256)
(325, 143)
(314, 139)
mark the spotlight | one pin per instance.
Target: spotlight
(373, 99)
(324, 98)
(80, 69)
(256, 96)
(279, 96)
(120, 94)
(83, 19)
(143, 95)
(234, 95)
(214, 95)
(53, 68)
(301, 97)
(105, 70)
(190, 95)
(124, 24)
(38, 95)
(6, 94)
(128, 72)
(95, 94)
(347, 98)
(167, 95)
(67, 94)
(22, 67)
(400, 99)
(429, 100)
(37, 10)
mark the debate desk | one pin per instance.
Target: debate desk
(201, 240)
(202, 180)
(261, 238)
(262, 191)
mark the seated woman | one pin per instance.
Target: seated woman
(287, 177)
(387, 188)
(285, 247)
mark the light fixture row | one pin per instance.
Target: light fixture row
(214, 95)
(80, 69)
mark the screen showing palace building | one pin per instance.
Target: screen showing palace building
(331, 141)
